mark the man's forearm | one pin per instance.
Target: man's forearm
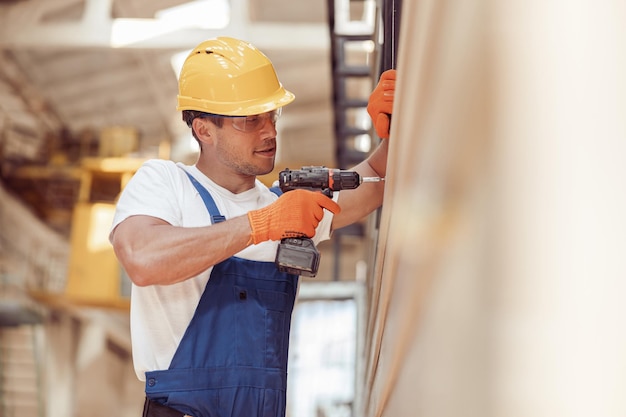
(154, 252)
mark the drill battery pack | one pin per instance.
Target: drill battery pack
(298, 256)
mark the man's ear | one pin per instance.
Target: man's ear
(203, 129)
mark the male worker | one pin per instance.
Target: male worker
(210, 312)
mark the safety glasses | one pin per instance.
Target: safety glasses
(255, 122)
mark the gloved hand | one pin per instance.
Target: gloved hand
(380, 104)
(295, 213)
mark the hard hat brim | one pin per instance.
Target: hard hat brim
(281, 98)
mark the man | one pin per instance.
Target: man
(210, 312)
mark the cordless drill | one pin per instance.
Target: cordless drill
(299, 255)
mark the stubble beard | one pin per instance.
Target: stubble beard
(246, 168)
(239, 164)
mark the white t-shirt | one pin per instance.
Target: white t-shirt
(160, 314)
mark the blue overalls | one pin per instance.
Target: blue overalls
(232, 359)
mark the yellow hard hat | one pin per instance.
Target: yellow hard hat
(230, 77)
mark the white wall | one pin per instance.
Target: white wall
(500, 271)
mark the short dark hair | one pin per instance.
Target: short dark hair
(190, 115)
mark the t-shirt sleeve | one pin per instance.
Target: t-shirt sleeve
(150, 192)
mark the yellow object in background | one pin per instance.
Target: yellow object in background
(118, 141)
(94, 274)
(95, 277)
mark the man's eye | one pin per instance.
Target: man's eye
(252, 119)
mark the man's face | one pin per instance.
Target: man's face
(247, 145)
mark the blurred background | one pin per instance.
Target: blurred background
(87, 94)
(490, 283)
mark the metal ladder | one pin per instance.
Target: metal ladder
(352, 83)
(361, 48)
(351, 47)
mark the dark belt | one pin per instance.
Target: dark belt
(154, 409)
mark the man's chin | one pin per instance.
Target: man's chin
(266, 169)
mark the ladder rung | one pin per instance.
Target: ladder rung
(347, 132)
(352, 103)
(353, 71)
(341, 37)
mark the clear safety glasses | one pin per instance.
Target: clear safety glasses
(255, 122)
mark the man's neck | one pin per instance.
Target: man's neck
(233, 182)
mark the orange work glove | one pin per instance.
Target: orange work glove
(380, 104)
(295, 213)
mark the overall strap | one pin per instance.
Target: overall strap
(216, 217)
(276, 190)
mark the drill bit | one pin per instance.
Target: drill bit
(372, 179)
